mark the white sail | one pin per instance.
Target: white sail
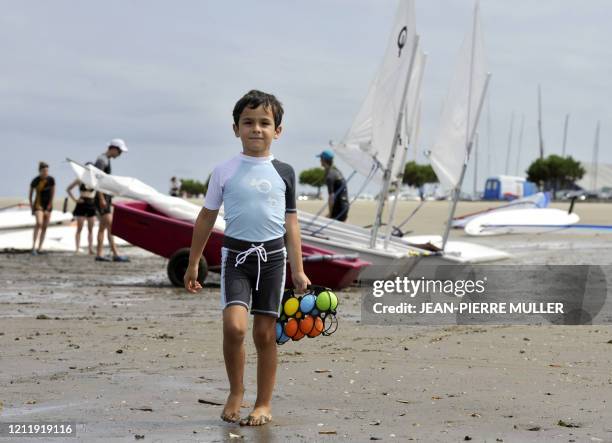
(457, 122)
(133, 188)
(370, 138)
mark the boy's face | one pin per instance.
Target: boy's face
(44, 172)
(256, 130)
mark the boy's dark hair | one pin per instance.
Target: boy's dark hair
(42, 165)
(255, 98)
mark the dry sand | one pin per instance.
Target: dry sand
(488, 383)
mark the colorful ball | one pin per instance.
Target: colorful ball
(279, 331)
(323, 301)
(314, 312)
(333, 301)
(298, 336)
(291, 327)
(306, 324)
(291, 306)
(283, 339)
(308, 303)
(317, 328)
(298, 314)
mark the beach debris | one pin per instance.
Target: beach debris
(375, 438)
(375, 423)
(467, 438)
(535, 428)
(119, 351)
(322, 371)
(143, 408)
(610, 342)
(407, 402)
(566, 424)
(209, 402)
(475, 414)
(42, 317)
(554, 365)
(164, 336)
(232, 435)
(331, 432)
(138, 436)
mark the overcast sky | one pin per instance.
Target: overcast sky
(165, 76)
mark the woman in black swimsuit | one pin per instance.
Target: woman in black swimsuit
(85, 209)
(44, 186)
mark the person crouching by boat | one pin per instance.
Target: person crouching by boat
(44, 186)
(338, 202)
(85, 209)
(104, 202)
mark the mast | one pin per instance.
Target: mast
(540, 122)
(476, 165)
(389, 169)
(567, 116)
(409, 126)
(520, 144)
(469, 135)
(595, 159)
(509, 144)
(489, 135)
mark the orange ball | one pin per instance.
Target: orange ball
(306, 324)
(298, 335)
(298, 314)
(291, 327)
(318, 327)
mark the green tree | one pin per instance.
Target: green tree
(555, 172)
(193, 187)
(313, 177)
(417, 175)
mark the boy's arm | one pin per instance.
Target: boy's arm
(294, 249)
(201, 231)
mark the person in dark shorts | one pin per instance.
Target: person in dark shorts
(338, 201)
(103, 202)
(258, 194)
(42, 205)
(85, 209)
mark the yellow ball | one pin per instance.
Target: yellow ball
(291, 306)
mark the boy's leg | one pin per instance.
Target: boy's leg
(266, 308)
(235, 321)
(264, 336)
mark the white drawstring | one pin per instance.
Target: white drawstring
(261, 255)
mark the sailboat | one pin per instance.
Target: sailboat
(371, 144)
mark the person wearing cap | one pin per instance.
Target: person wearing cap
(338, 202)
(103, 202)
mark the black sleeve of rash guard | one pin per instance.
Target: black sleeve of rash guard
(288, 176)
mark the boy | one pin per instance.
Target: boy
(258, 193)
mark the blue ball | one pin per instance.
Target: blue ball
(308, 303)
(283, 338)
(279, 331)
(314, 312)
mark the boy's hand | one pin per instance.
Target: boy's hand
(300, 281)
(191, 280)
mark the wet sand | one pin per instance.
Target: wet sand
(114, 347)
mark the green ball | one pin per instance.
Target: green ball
(323, 301)
(333, 301)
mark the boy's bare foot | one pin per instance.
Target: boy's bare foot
(231, 410)
(258, 417)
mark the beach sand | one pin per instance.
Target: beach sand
(115, 348)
